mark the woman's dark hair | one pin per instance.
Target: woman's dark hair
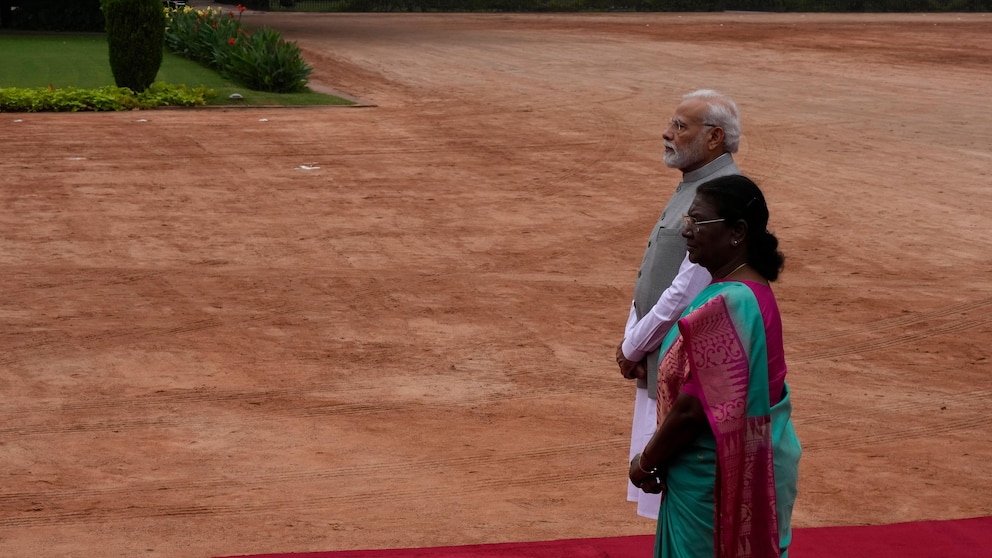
(737, 198)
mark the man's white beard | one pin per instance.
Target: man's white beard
(692, 154)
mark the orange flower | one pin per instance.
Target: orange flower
(231, 41)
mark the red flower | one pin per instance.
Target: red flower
(230, 15)
(241, 8)
(231, 41)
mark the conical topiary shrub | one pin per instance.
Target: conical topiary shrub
(136, 37)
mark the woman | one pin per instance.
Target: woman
(725, 452)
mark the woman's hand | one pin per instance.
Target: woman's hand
(647, 480)
(683, 423)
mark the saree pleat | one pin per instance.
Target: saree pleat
(685, 520)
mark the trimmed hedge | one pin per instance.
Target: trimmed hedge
(70, 99)
(136, 37)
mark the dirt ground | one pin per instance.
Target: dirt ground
(240, 331)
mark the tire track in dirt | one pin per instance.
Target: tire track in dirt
(43, 281)
(581, 386)
(168, 402)
(907, 320)
(889, 341)
(613, 142)
(62, 342)
(614, 146)
(67, 345)
(33, 502)
(38, 502)
(976, 399)
(282, 506)
(909, 329)
(585, 387)
(977, 417)
(925, 431)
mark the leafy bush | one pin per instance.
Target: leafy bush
(200, 35)
(135, 35)
(107, 98)
(262, 60)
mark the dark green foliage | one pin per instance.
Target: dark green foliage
(263, 61)
(202, 35)
(71, 99)
(55, 15)
(136, 37)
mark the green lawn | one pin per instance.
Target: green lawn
(81, 61)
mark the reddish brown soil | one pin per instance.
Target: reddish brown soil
(208, 349)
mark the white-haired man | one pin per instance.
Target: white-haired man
(700, 139)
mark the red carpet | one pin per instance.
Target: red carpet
(971, 538)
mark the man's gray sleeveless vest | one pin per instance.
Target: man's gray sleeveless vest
(666, 250)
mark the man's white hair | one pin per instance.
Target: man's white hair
(721, 111)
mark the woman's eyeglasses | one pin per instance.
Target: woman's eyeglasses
(693, 225)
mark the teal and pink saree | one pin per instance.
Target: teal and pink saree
(730, 494)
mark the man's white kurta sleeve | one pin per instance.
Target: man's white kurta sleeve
(642, 337)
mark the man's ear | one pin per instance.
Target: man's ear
(714, 139)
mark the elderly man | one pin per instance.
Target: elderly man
(700, 139)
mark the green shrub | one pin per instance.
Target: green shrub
(200, 34)
(135, 35)
(107, 98)
(264, 62)
(261, 61)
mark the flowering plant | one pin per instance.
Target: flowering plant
(262, 61)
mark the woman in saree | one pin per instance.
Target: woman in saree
(725, 453)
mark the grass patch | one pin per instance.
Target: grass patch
(82, 61)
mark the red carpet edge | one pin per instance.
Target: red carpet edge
(917, 539)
